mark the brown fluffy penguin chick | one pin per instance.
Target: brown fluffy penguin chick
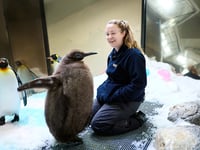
(69, 98)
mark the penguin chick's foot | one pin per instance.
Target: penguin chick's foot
(74, 142)
(16, 118)
(77, 140)
(2, 120)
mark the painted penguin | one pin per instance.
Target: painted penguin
(25, 74)
(9, 96)
(69, 98)
(54, 60)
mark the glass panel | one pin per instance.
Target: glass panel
(172, 32)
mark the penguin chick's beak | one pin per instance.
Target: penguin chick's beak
(90, 53)
(77, 55)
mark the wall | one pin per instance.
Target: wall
(5, 50)
(25, 33)
(84, 29)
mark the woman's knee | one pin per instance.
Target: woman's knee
(100, 127)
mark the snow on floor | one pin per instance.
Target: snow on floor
(31, 131)
(164, 87)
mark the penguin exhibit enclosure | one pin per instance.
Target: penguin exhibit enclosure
(165, 91)
(172, 98)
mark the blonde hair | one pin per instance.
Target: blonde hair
(129, 40)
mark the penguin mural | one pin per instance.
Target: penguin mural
(54, 60)
(26, 75)
(9, 96)
(69, 98)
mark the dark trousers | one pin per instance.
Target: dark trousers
(116, 118)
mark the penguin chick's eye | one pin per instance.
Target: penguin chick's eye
(78, 56)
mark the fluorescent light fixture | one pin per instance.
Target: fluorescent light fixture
(166, 4)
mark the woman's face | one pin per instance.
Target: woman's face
(114, 36)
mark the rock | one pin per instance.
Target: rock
(178, 138)
(188, 111)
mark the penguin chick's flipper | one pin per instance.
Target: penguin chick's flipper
(2, 120)
(46, 82)
(16, 118)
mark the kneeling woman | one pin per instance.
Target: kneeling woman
(121, 94)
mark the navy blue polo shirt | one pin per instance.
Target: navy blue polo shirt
(126, 70)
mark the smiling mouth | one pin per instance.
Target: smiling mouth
(111, 41)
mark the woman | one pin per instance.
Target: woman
(120, 95)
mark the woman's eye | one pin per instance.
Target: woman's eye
(113, 33)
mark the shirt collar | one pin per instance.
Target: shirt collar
(115, 54)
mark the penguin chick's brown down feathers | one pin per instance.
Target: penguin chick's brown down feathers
(69, 98)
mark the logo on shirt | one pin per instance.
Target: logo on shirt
(115, 65)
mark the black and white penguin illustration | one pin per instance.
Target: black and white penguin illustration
(54, 60)
(69, 98)
(26, 75)
(9, 96)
